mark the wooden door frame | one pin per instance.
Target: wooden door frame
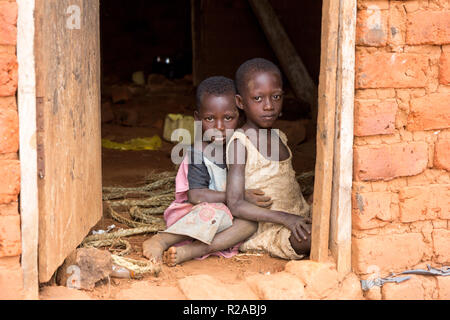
(333, 172)
(332, 207)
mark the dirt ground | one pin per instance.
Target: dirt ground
(129, 168)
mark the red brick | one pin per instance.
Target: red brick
(444, 68)
(442, 154)
(411, 289)
(10, 262)
(429, 112)
(397, 24)
(441, 245)
(394, 252)
(9, 209)
(8, 75)
(10, 173)
(10, 243)
(424, 203)
(428, 27)
(11, 282)
(443, 284)
(8, 20)
(371, 27)
(374, 117)
(390, 70)
(9, 131)
(366, 4)
(371, 209)
(386, 162)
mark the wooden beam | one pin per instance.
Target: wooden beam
(302, 84)
(325, 132)
(26, 101)
(341, 206)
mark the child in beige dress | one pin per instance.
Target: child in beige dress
(258, 157)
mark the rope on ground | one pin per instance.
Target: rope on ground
(122, 233)
(109, 242)
(138, 267)
(155, 201)
(146, 215)
(160, 194)
(165, 182)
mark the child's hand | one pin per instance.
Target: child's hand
(299, 226)
(256, 196)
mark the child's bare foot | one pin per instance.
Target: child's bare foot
(170, 257)
(177, 255)
(153, 248)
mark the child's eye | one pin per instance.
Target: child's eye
(209, 118)
(258, 99)
(228, 118)
(277, 97)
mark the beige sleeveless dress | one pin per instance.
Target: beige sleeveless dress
(277, 180)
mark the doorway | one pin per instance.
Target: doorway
(332, 65)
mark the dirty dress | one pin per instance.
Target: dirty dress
(202, 221)
(277, 180)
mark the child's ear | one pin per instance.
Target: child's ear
(196, 115)
(239, 101)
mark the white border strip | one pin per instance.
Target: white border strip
(26, 101)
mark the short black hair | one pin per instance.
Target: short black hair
(252, 66)
(217, 85)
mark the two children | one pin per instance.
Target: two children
(198, 212)
(254, 182)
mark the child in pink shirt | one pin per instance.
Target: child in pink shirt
(198, 222)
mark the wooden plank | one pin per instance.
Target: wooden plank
(26, 102)
(292, 65)
(341, 207)
(68, 126)
(325, 132)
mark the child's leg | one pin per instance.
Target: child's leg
(154, 247)
(239, 231)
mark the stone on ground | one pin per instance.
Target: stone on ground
(84, 267)
(205, 287)
(145, 290)
(320, 279)
(277, 286)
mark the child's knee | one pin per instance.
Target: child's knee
(249, 227)
(301, 247)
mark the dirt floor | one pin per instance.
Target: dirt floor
(148, 108)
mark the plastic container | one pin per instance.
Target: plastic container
(121, 272)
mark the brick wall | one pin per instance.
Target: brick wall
(10, 241)
(401, 188)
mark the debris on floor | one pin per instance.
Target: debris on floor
(173, 122)
(147, 143)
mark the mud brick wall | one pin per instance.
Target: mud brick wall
(10, 240)
(401, 188)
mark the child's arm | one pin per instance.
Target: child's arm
(254, 196)
(241, 208)
(196, 196)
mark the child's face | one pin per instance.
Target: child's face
(218, 113)
(262, 99)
